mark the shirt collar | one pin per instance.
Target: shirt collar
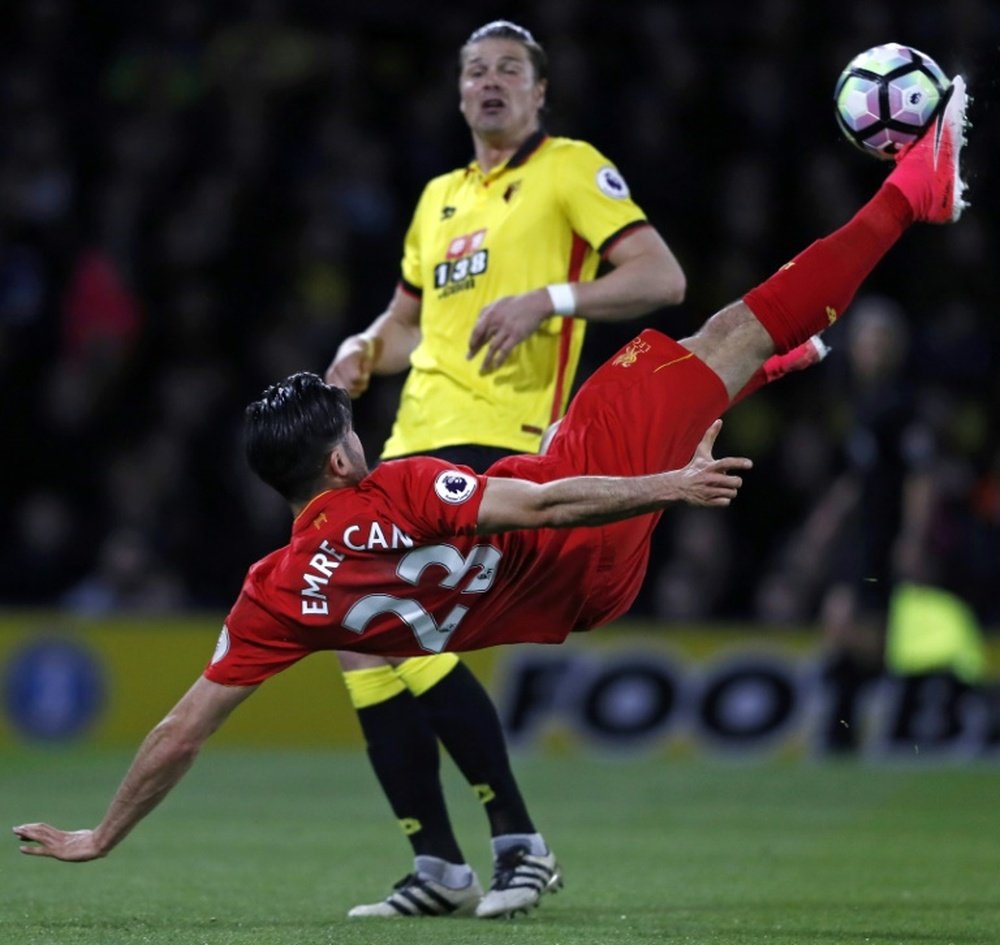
(528, 147)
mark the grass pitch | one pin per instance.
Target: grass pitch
(273, 847)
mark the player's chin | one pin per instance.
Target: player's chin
(492, 121)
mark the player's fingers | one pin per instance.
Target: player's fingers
(346, 383)
(41, 833)
(498, 356)
(359, 384)
(35, 849)
(733, 463)
(36, 835)
(343, 373)
(481, 332)
(496, 353)
(708, 440)
(492, 341)
(723, 486)
(487, 364)
(727, 493)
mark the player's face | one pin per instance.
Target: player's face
(499, 95)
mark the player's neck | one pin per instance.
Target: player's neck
(496, 150)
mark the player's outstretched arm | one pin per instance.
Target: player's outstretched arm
(384, 347)
(163, 759)
(592, 500)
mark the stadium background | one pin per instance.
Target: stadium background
(197, 199)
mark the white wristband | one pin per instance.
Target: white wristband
(563, 298)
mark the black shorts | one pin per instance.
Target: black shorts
(478, 458)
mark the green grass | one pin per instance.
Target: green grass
(272, 847)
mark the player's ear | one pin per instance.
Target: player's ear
(338, 462)
(541, 87)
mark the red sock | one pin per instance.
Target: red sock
(811, 292)
(777, 366)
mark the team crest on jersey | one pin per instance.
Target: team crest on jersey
(630, 355)
(611, 183)
(511, 190)
(222, 645)
(455, 487)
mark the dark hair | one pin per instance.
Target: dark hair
(290, 431)
(505, 29)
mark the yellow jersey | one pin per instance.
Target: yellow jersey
(545, 216)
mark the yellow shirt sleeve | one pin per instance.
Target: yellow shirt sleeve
(594, 195)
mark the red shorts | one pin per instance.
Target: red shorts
(643, 411)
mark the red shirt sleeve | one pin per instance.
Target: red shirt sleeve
(435, 499)
(248, 654)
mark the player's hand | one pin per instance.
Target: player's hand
(712, 482)
(352, 366)
(505, 323)
(72, 846)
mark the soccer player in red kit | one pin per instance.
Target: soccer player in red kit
(419, 556)
(397, 561)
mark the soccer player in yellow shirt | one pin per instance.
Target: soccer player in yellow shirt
(499, 278)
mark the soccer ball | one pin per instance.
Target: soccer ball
(887, 96)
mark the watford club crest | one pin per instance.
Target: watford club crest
(631, 353)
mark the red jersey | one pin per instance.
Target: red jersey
(394, 566)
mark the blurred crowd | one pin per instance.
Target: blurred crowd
(198, 199)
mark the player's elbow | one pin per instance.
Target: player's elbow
(661, 274)
(660, 284)
(523, 518)
(671, 286)
(559, 518)
(552, 510)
